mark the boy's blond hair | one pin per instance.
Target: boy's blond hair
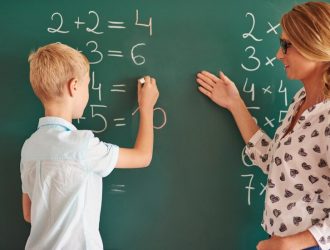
(54, 65)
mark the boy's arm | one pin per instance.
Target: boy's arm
(26, 202)
(141, 154)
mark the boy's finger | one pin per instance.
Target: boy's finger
(147, 79)
(139, 85)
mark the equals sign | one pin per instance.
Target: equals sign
(118, 122)
(116, 25)
(115, 53)
(117, 189)
(117, 88)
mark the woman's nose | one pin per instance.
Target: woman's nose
(279, 54)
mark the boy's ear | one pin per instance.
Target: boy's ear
(72, 86)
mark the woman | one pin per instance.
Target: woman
(297, 160)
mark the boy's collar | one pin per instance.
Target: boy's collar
(52, 120)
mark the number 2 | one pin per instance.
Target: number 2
(58, 29)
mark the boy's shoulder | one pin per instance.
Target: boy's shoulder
(56, 139)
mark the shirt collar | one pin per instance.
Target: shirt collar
(301, 94)
(56, 121)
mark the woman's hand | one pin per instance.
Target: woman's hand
(223, 92)
(297, 241)
(220, 90)
(274, 243)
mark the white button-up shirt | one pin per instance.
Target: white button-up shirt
(298, 168)
(61, 171)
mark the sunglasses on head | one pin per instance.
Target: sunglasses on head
(284, 45)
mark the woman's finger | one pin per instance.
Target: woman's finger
(210, 76)
(205, 91)
(208, 80)
(205, 85)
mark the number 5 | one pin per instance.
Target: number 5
(100, 116)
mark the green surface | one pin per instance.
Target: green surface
(193, 196)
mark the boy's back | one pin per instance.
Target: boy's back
(61, 167)
(62, 170)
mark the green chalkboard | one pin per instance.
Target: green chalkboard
(200, 191)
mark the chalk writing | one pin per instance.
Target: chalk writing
(251, 64)
(98, 52)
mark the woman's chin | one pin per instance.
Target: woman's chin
(290, 76)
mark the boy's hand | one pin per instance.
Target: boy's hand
(147, 94)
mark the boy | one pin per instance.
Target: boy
(62, 167)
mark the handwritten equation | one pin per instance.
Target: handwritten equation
(97, 52)
(92, 47)
(94, 27)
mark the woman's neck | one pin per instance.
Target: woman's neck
(314, 90)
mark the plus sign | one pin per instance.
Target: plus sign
(78, 23)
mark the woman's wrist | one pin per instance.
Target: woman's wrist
(236, 105)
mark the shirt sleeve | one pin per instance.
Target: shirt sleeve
(258, 150)
(321, 230)
(101, 157)
(24, 188)
(321, 233)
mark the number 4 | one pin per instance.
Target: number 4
(98, 88)
(143, 24)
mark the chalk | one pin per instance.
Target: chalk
(142, 81)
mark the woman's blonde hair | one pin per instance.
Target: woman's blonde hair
(308, 29)
(54, 65)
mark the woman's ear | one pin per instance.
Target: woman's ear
(73, 86)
